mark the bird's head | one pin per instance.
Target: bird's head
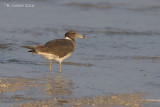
(73, 35)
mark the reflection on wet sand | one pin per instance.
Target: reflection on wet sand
(57, 85)
(57, 88)
(51, 85)
(9, 86)
(16, 83)
(131, 100)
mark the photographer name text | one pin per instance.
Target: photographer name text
(19, 5)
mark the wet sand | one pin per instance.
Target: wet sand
(117, 65)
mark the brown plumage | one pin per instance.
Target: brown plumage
(58, 49)
(31, 49)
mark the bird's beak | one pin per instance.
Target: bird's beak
(83, 37)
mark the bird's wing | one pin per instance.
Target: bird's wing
(59, 47)
(41, 48)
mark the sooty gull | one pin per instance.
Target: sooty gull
(58, 49)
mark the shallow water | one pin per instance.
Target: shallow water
(117, 65)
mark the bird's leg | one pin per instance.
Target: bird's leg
(60, 67)
(50, 65)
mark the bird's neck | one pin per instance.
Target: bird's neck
(67, 38)
(70, 39)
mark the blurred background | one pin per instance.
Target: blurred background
(120, 55)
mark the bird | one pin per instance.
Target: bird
(57, 49)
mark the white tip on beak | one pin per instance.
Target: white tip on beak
(83, 37)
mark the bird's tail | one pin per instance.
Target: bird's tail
(32, 49)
